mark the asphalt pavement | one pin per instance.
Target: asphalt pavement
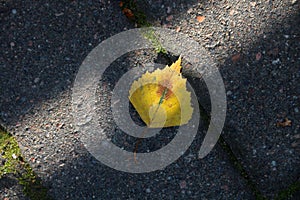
(256, 46)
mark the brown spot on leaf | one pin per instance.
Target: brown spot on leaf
(165, 89)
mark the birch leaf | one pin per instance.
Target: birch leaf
(161, 97)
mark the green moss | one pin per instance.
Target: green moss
(14, 163)
(153, 38)
(140, 19)
(10, 153)
(33, 187)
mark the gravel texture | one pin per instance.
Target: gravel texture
(10, 189)
(256, 45)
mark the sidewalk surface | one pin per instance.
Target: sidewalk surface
(256, 45)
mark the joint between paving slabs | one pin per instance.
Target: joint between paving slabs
(140, 19)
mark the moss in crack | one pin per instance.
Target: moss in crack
(9, 154)
(33, 187)
(153, 38)
(135, 15)
(236, 163)
(12, 162)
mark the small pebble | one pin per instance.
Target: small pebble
(59, 14)
(296, 110)
(148, 190)
(229, 93)
(232, 12)
(273, 163)
(182, 184)
(275, 62)
(294, 2)
(169, 18)
(169, 9)
(30, 43)
(258, 56)
(294, 144)
(36, 80)
(14, 11)
(297, 136)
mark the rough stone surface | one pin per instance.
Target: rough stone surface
(10, 189)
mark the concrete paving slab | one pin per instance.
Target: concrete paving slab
(43, 46)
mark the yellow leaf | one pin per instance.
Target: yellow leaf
(161, 97)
